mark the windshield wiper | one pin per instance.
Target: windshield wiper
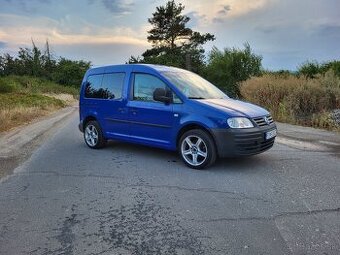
(196, 98)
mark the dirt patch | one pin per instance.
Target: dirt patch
(13, 117)
(67, 98)
(22, 109)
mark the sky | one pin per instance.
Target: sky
(286, 33)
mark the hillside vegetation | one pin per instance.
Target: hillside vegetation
(297, 99)
(24, 98)
(34, 83)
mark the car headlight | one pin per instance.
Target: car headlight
(239, 122)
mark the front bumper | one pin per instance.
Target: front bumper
(242, 142)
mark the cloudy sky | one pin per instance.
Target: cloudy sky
(285, 32)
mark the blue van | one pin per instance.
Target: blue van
(173, 109)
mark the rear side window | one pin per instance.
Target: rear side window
(107, 86)
(113, 85)
(93, 86)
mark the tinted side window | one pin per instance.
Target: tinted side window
(93, 86)
(113, 85)
(144, 86)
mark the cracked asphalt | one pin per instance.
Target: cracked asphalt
(128, 199)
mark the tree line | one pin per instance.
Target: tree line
(41, 63)
(173, 43)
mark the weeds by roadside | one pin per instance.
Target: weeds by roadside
(24, 98)
(18, 109)
(27, 84)
(297, 100)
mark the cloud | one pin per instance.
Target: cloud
(107, 53)
(27, 6)
(225, 10)
(195, 18)
(119, 7)
(17, 31)
(222, 10)
(268, 29)
(3, 44)
(100, 45)
(328, 30)
(221, 15)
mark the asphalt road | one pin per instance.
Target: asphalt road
(128, 199)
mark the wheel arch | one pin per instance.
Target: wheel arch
(191, 126)
(87, 119)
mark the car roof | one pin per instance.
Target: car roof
(139, 67)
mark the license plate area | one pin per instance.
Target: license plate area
(270, 134)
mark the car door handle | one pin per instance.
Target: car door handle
(133, 111)
(121, 110)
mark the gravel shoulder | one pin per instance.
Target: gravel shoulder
(18, 144)
(309, 139)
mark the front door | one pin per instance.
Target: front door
(151, 121)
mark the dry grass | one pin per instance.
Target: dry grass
(24, 98)
(296, 100)
(19, 109)
(68, 99)
(17, 116)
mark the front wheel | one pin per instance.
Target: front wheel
(93, 135)
(197, 149)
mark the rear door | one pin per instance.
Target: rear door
(91, 102)
(151, 121)
(114, 108)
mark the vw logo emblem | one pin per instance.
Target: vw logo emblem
(266, 120)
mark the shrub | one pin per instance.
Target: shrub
(332, 65)
(309, 69)
(226, 69)
(7, 86)
(296, 100)
(27, 84)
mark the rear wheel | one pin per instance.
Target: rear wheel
(197, 149)
(93, 135)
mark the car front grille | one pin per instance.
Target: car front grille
(263, 121)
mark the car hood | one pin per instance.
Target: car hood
(236, 107)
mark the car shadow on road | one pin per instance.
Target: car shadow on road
(239, 164)
(142, 150)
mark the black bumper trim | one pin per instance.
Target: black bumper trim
(242, 142)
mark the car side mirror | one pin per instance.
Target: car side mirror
(162, 95)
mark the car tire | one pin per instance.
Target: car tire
(197, 149)
(93, 135)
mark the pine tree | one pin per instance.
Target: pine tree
(173, 43)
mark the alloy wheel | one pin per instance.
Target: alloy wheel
(194, 150)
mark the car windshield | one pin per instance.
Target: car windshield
(193, 86)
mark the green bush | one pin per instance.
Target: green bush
(28, 100)
(312, 70)
(7, 86)
(35, 62)
(27, 84)
(309, 69)
(333, 66)
(226, 69)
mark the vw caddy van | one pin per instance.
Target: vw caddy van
(172, 109)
